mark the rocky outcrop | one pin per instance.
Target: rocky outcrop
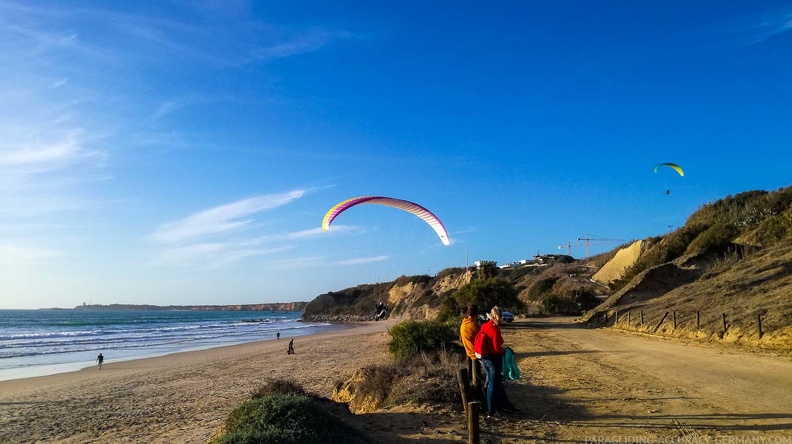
(614, 269)
(413, 297)
(649, 284)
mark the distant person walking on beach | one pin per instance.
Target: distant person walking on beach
(100, 360)
(277, 335)
(290, 351)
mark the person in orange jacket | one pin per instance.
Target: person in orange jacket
(467, 333)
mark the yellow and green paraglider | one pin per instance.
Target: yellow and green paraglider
(411, 207)
(674, 166)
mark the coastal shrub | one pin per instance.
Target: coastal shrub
(585, 299)
(487, 293)
(774, 229)
(416, 280)
(449, 308)
(423, 379)
(570, 301)
(278, 387)
(451, 271)
(517, 274)
(427, 297)
(432, 379)
(409, 338)
(717, 235)
(540, 288)
(286, 419)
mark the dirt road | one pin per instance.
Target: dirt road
(600, 385)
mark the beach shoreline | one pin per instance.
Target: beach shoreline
(179, 397)
(68, 367)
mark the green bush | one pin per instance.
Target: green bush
(449, 308)
(279, 387)
(285, 419)
(571, 301)
(487, 293)
(540, 288)
(774, 229)
(419, 279)
(409, 338)
(585, 299)
(516, 274)
(451, 271)
(717, 235)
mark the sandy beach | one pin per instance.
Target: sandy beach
(181, 397)
(577, 384)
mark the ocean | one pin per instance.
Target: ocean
(45, 342)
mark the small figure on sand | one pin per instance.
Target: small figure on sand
(277, 335)
(100, 360)
(380, 311)
(290, 351)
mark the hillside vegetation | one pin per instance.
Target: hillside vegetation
(721, 274)
(732, 257)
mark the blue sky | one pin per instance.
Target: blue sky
(185, 152)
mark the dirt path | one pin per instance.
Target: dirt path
(592, 385)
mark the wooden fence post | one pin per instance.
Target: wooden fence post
(629, 320)
(725, 327)
(660, 323)
(464, 387)
(473, 422)
(759, 321)
(616, 319)
(698, 320)
(675, 322)
(641, 318)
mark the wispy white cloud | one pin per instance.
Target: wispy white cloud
(42, 156)
(223, 219)
(364, 260)
(319, 231)
(767, 29)
(13, 255)
(307, 42)
(166, 108)
(317, 261)
(298, 262)
(322, 261)
(213, 255)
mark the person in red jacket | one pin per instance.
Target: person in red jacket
(492, 361)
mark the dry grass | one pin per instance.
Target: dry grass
(745, 290)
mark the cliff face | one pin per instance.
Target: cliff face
(415, 297)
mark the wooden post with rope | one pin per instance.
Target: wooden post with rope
(473, 422)
(464, 387)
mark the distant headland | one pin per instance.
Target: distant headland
(273, 306)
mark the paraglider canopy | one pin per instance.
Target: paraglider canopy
(676, 167)
(411, 207)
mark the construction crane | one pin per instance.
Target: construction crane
(589, 241)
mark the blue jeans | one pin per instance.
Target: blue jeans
(496, 394)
